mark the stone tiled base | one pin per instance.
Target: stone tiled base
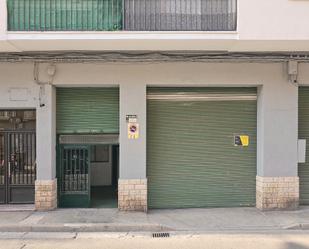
(45, 195)
(132, 195)
(277, 192)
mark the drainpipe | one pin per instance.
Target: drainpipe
(293, 72)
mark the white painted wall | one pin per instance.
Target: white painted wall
(277, 104)
(101, 172)
(264, 25)
(132, 156)
(3, 19)
(17, 76)
(273, 19)
(5, 45)
(277, 129)
(46, 136)
(20, 76)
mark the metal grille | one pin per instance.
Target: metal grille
(89, 139)
(21, 157)
(64, 15)
(180, 15)
(75, 176)
(107, 15)
(2, 165)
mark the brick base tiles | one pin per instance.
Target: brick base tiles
(277, 192)
(132, 195)
(45, 195)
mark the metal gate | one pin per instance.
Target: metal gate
(17, 166)
(74, 174)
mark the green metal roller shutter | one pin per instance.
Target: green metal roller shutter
(87, 110)
(191, 157)
(303, 133)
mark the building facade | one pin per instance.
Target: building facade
(154, 104)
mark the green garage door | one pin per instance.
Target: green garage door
(192, 160)
(87, 110)
(303, 133)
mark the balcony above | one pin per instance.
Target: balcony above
(154, 25)
(127, 15)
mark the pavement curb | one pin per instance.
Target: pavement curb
(89, 227)
(298, 226)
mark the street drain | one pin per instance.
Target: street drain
(160, 235)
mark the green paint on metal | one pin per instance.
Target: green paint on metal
(303, 133)
(64, 15)
(74, 201)
(210, 90)
(74, 176)
(87, 110)
(191, 157)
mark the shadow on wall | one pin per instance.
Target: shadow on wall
(293, 245)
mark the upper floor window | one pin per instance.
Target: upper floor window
(131, 15)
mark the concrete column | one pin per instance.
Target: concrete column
(132, 184)
(46, 187)
(277, 176)
(3, 19)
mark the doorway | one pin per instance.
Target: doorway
(104, 172)
(87, 171)
(17, 156)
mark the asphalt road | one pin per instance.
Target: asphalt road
(286, 240)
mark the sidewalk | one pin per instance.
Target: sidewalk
(179, 220)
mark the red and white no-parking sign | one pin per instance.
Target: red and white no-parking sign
(133, 130)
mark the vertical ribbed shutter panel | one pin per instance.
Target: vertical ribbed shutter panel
(303, 133)
(180, 15)
(191, 157)
(87, 110)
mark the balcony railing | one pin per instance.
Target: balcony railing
(180, 15)
(130, 15)
(64, 15)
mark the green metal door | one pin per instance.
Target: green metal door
(192, 160)
(87, 110)
(74, 176)
(303, 133)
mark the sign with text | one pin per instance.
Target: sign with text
(241, 140)
(131, 118)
